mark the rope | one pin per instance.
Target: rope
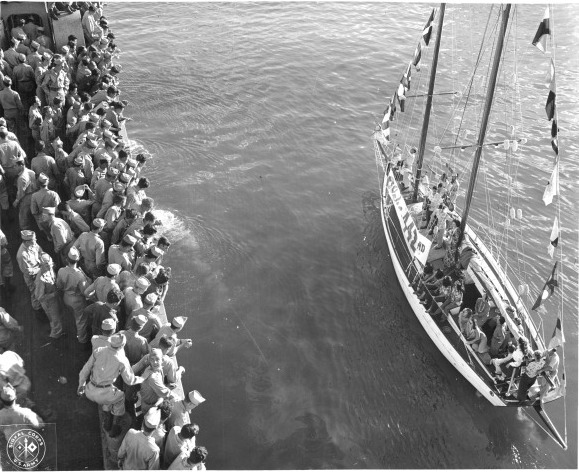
(561, 276)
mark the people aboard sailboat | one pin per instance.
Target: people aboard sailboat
(451, 240)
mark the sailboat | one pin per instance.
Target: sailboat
(406, 199)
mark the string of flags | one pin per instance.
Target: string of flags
(399, 96)
(552, 188)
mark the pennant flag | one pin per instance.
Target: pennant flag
(558, 339)
(548, 289)
(550, 105)
(393, 106)
(554, 137)
(554, 237)
(427, 32)
(417, 56)
(386, 130)
(407, 77)
(540, 39)
(400, 96)
(552, 188)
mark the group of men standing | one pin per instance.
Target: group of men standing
(83, 198)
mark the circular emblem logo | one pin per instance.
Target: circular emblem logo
(26, 448)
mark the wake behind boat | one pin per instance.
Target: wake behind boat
(463, 297)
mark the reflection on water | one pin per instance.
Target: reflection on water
(264, 174)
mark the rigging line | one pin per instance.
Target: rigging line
(561, 274)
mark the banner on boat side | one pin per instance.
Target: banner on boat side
(418, 245)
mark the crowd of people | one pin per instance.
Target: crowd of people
(83, 195)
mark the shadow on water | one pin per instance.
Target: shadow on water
(310, 446)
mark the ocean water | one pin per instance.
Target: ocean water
(258, 119)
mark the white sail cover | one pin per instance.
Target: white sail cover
(418, 245)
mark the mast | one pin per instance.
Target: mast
(426, 120)
(485, 119)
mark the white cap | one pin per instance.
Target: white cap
(114, 269)
(152, 418)
(195, 398)
(179, 321)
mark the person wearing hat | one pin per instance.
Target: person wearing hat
(100, 288)
(137, 346)
(10, 154)
(182, 408)
(12, 105)
(41, 199)
(529, 376)
(13, 417)
(25, 186)
(55, 80)
(71, 281)
(97, 377)
(28, 258)
(74, 220)
(44, 41)
(8, 329)
(75, 175)
(79, 204)
(46, 293)
(39, 74)
(92, 249)
(108, 328)
(24, 81)
(47, 127)
(153, 389)
(18, 30)
(22, 47)
(138, 450)
(118, 189)
(11, 55)
(30, 28)
(99, 311)
(34, 58)
(112, 215)
(133, 300)
(123, 253)
(170, 331)
(102, 186)
(153, 324)
(62, 236)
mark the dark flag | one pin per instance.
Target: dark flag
(558, 339)
(540, 39)
(393, 106)
(417, 56)
(427, 32)
(548, 289)
(550, 105)
(554, 138)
